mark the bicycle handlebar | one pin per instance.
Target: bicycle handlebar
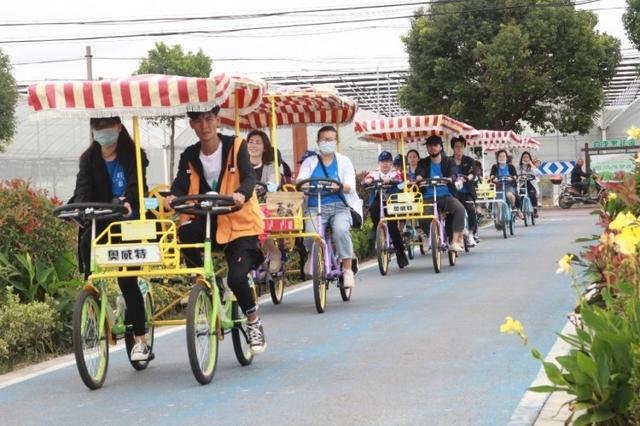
(201, 204)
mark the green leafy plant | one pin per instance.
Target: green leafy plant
(26, 329)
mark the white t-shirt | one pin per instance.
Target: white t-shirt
(212, 165)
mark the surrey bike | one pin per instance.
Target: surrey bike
(438, 239)
(325, 268)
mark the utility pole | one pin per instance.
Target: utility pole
(88, 56)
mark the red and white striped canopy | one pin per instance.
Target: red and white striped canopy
(246, 94)
(151, 95)
(295, 105)
(496, 139)
(412, 128)
(530, 143)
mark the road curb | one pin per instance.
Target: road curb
(533, 405)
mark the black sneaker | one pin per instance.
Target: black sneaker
(257, 341)
(401, 258)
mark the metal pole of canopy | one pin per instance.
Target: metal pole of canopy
(237, 113)
(404, 164)
(136, 141)
(274, 140)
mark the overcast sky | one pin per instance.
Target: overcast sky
(278, 51)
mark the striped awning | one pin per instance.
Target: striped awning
(295, 105)
(151, 95)
(530, 143)
(412, 128)
(246, 95)
(496, 139)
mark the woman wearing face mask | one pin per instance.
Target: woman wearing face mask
(108, 174)
(335, 208)
(502, 170)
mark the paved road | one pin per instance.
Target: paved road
(410, 348)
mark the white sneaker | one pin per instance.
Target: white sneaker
(456, 247)
(348, 280)
(140, 352)
(257, 339)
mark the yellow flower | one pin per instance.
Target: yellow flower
(564, 264)
(634, 133)
(607, 238)
(612, 196)
(512, 326)
(627, 240)
(621, 221)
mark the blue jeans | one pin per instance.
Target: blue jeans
(339, 216)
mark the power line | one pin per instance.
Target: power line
(226, 17)
(283, 26)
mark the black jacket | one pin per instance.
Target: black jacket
(191, 155)
(93, 183)
(468, 168)
(577, 174)
(448, 166)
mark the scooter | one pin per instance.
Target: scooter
(570, 195)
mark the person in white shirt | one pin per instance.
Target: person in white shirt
(335, 208)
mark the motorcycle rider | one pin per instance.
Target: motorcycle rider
(577, 176)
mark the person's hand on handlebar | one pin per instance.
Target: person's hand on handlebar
(167, 202)
(238, 198)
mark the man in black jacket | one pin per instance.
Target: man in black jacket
(221, 163)
(466, 190)
(434, 166)
(577, 176)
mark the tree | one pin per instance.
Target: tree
(631, 20)
(8, 101)
(496, 64)
(163, 59)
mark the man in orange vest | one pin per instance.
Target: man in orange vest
(221, 163)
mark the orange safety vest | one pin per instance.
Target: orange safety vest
(248, 221)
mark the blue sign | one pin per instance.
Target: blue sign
(556, 167)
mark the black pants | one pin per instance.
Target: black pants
(241, 254)
(533, 195)
(394, 230)
(455, 215)
(128, 285)
(582, 186)
(469, 205)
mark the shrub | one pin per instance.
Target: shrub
(26, 329)
(28, 224)
(363, 244)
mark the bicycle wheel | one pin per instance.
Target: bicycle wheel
(409, 247)
(422, 252)
(525, 213)
(533, 218)
(453, 256)
(202, 342)
(239, 336)
(319, 285)
(130, 341)
(91, 349)
(345, 293)
(512, 220)
(276, 288)
(436, 255)
(382, 250)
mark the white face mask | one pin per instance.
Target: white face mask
(327, 147)
(106, 137)
(502, 162)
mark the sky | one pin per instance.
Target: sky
(259, 53)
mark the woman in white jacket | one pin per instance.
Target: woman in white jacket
(335, 208)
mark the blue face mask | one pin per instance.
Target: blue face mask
(106, 137)
(327, 147)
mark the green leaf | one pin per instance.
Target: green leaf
(583, 420)
(622, 397)
(553, 373)
(587, 365)
(601, 415)
(545, 389)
